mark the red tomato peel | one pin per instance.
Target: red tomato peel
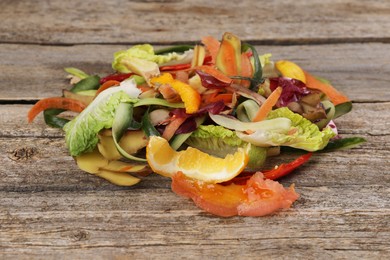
(257, 197)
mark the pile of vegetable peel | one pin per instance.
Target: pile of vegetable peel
(207, 116)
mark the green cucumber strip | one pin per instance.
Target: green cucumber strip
(330, 111)
(51, 119)
(178, 140)
(157, 101)
(91, 92)
(178, 48)
(91, 82)
(342, 109)
(147, 126)
(76, 72)
(134, 125)
(257, 68)
(122, 121)
(344, 143)
(247, 110)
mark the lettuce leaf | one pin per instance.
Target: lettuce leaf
(303, 134)
(219, 141)
(269, 70)
(81, 132)
(265, 59)
(146, 52)
(227, 136)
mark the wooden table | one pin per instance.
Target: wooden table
(50, 209)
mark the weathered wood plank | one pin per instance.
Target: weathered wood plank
(32, 72)
(14, 123)
(128, 223)
(68, 22)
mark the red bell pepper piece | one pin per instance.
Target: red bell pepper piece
(273, 174)
(116, 76)
(175, 67)
(286, 168)
(207, 60)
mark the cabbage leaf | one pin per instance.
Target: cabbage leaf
(303, 134)
(146, 52)
(219, 141)
(81, 132)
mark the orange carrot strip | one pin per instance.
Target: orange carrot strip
(55, 102)
(226, 98)
(228, 59)
(212, 45)
(215, 73)
(229, 55)
(144, 87)
(171, 128)
(333, 94)
(214, 97)
(206, 98)
(246, 69)
(268, 104)
(106, 85)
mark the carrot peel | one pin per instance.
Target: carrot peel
(268, 104)
(333, 94)
(212, 45)
(107, 84)
(171, 128)
(57, 103)
(215, 73)
(229, 55)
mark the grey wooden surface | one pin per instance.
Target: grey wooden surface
(50, 209)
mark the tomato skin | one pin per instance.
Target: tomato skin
(265, 197)
(213, 198)
(258, 197)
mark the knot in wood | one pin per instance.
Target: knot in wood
(80, 235)
(24, 153)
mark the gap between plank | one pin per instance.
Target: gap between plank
(275, 42)
(18, 101)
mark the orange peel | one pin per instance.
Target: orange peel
(194, 163)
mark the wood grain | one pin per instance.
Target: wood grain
(31, 72)
(49, 209)
(75, 22)
(91, 224)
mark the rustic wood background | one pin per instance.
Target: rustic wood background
(50, 209)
